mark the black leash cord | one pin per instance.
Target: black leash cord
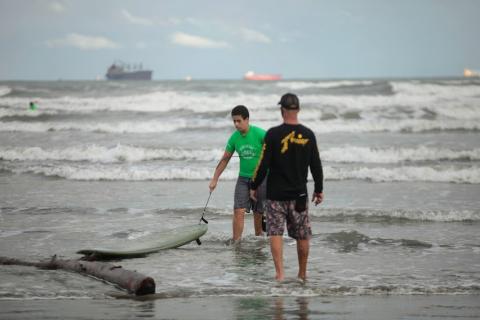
(204, 209)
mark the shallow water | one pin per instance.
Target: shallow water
(110, 163)
(353, 251)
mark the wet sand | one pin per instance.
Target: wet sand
(357, 307)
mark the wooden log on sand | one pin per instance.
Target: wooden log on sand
(132, 281)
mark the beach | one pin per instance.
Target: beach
(360, 307)
(106, 163)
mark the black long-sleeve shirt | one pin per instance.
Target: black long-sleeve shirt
(288, 151)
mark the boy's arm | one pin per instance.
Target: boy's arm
(222, 164)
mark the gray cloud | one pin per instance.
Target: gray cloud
(254, 36)
(83, 42)
(189, 40)
(136, 19)
(57, 7)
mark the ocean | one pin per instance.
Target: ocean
(100, 163)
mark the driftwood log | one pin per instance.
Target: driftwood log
(132, 281)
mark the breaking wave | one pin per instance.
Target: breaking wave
(127, 153)
(451, 174)
(151, 126)
(298, 85)
(385, 125)
(170, 125)
(80, 171)
(446, 90)
(377, 215)
(452, 101)
(395, 155)
(125, 173)
(4, 90)
(102, 154)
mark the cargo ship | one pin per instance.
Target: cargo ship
(250, 75)
(468, 73)
(123, 71)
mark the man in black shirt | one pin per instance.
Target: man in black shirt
(288, 151)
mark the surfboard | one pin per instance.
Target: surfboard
(169, 239)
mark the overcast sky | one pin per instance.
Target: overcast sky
(79, 39)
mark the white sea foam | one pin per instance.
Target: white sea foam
(163, 101)
(170, 125)
(126, 153)
(311, 114)
(112, 172)
(395, 155)
(468, 110)
(398, 105)
(298, 85)
(459, 82)
(390, 125)
(410, 100)
(4, 90)
(406, 173)
(372, 288)
(150, 126)
(421, 215)
(437, 90)
(103, 154)
(140, 173)
(8, 112)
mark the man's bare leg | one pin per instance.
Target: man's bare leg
(238, 221)
(257, 223)
(303, 247)
(276, 246)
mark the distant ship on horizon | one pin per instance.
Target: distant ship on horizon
(250, 75)
(122, 71)
(468, 73)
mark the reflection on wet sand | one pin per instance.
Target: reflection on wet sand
(271, 308)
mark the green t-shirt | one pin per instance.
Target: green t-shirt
(248, 147)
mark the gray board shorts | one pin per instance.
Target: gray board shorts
(242, 196)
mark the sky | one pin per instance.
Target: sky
(299, 39)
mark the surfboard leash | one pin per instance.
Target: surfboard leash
(205, 209)
(203, 216)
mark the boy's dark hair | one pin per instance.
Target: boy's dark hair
(240, 111)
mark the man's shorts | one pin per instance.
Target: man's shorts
(242, 196)
(298, 223)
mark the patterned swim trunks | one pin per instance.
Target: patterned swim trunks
(298, 223)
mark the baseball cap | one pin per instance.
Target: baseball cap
(289, 101)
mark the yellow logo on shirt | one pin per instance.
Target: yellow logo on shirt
(290, 138)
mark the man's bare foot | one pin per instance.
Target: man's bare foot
(302, 280)
(302, 277)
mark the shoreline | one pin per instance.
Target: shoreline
(251, 307)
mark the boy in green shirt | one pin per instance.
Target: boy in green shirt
(247, 140)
